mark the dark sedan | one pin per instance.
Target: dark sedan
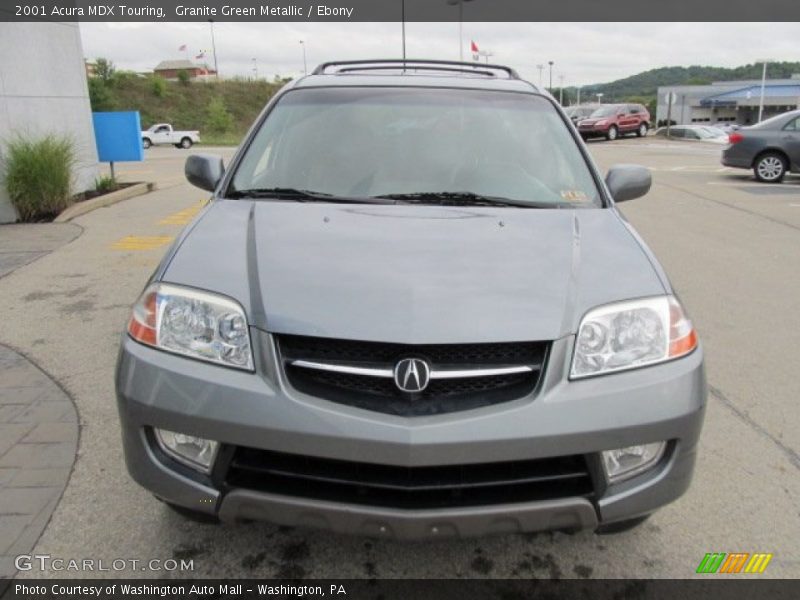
(770, 148)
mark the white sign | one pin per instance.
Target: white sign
(671, 98)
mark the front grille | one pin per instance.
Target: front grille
(382, 395)
(409, 487)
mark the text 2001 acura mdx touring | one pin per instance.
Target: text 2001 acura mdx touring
(412, 310)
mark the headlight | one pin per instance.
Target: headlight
(631, 334)
(192, 323)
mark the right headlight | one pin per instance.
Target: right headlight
(631, 334)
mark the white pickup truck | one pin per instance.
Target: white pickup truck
(163, 133)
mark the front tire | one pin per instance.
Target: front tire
(770, 168)
(642, 131)
(612, 133)
(146, 143)
(186, 143)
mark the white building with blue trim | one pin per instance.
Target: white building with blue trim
(728, 101)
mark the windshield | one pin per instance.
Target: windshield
(606, 111)
(414, 143)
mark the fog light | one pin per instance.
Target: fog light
(195, 452)
(624, 463)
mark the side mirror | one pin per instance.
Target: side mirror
(204, 171)
(626, 182)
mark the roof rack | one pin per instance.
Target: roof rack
(398, 64)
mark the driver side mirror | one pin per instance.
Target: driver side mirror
(204, 171)
(626, 182)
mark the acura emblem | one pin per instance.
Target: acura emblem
(412, 375)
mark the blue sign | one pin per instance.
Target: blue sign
(118, 136)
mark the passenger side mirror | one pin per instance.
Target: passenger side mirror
(626, 182)
(204, 171)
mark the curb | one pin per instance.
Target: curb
(81, 208)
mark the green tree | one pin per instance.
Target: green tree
(218, 118)
(100, 96)
(104, 69)
(183, 77)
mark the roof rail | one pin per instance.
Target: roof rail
(353, 66)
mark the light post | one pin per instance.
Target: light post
(550, 62)
(541, 68)
(486, 54)
(305, 66)
(763, 84)
(578, 102)
(214, 48)
(561, 89)
(460, 4)
(599, 97)
(255, 69)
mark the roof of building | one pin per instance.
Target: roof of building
(169, 65)
(753, 91)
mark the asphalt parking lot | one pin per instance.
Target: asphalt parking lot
(731, 247)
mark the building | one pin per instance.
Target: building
(169, 69)
(43, 90)
(728, 101)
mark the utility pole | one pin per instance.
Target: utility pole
(255, 69)
(214, 47)
(763, 84)
(550, 62)
(403, 20)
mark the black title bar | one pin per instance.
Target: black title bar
(397, 10)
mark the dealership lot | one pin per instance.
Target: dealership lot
(731, 247)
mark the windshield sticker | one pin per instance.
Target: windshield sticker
(574, 196)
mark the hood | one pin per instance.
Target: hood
(413, 274)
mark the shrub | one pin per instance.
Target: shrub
(100, 97)
(183, 77)
(104, 184)
(159, 87)
(38, 175)
(218, 119)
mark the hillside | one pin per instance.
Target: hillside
(647, 83)
(222, 111)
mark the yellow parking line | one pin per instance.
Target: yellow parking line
(133, 242)
(184, 216)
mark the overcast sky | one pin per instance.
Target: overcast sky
(582, 52)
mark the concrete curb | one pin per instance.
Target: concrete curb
(81, 208)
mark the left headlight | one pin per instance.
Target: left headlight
(631, 334)
(192, 323)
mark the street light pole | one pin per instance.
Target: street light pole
(305, 66)
(541, 68)
(599, 97)
(763, 84)
(460, 4)
(255, 69)
(403, 20)
(214, 48)
(550, 62)
(561, 89)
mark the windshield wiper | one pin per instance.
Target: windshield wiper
(282, 193)
(464, 199)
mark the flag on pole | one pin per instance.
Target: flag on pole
(182, 48)
(201, 55)
(475, 52)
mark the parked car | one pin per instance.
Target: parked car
(771, 148)
(699, 133)
(727, 127)
(163, 133)
(412, 309)
(612, 120)
(580, 112)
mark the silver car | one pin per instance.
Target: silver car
(412, 310)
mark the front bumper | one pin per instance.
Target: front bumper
(260, 410)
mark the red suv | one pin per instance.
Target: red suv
(612, 120)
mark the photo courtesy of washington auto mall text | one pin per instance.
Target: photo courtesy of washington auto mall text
(391, 299)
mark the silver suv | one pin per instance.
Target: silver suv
(412, 310)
